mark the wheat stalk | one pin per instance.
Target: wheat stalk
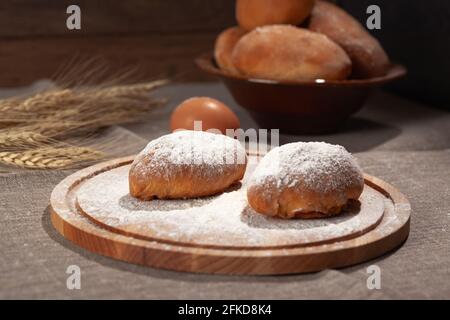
(73, 106)
(33, 129)
(21, 139)
(8, 104)
(130, 90)
(49, 157)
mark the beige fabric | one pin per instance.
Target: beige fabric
(396, 140)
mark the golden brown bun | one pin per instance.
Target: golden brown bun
(224, 46)
(305, 180)
(187, 164)
(283, 52)
(368, 57)
(313, 204)
(251, 14)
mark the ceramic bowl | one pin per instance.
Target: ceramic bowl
(305, 107)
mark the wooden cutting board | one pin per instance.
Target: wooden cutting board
(92, 209)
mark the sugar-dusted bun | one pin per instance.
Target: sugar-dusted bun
(368, 56)
(306, 180)
(187, 164)
(251, 14)
(283, 52)
(224, 46)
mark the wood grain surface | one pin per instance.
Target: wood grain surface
(389, 234)
(147, 56)
(25, 18)
(158, 37)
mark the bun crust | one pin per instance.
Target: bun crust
(305, 180)
(251, 14)
(287, 53)
(187, 164)
(286, 204)
(368, 56)
(224, 46)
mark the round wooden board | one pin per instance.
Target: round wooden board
(72, 223)
(223, 221)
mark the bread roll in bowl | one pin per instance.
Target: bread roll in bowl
(251, 14)
(287, 53)
(368, 56)
(187, 164)
(305, 180)
(224, 46)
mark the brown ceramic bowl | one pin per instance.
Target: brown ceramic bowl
(301, 106)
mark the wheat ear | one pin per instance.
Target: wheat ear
(50, 158)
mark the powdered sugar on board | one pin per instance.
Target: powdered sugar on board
(220, 221)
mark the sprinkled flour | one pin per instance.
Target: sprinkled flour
(215, 153)
(225, 220)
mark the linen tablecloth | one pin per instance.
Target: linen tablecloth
(400, 141)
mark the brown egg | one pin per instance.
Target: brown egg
(212, 113)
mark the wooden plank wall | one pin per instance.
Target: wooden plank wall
(157, 37)
(162, 37)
